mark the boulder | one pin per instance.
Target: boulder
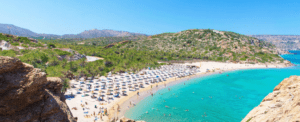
(28, 95)
(282, 105)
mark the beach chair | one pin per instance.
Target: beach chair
(117, 95)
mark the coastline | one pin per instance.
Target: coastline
(145, 92)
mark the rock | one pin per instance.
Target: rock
(28, 95)
(282, 105)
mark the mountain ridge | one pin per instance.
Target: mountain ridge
(93, 33)
(284, 42)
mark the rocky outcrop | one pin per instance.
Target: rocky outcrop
(282, 105)
(27, 95)
(129, 120)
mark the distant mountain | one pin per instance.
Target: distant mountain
(284, 42)
(101, 33)
(15, 30)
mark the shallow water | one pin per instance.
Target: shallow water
(214, 98)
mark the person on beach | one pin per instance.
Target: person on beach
(118, 108)
(165, 85)
(151, 86)
(156, 85)
(105, 112)
(184, 83)
(138, 93)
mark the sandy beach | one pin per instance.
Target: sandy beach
(206, 68)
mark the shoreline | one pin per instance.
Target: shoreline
(145, 92)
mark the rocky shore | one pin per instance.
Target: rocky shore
(27, 95)
(282, 105)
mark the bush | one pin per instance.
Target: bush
(10, 53)
(24, 45)
(51, 46)
(15, 44)
(60, 52)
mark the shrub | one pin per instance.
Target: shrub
(24, 45)
(60, 52)
(15, 44)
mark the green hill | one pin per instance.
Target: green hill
(209, 45)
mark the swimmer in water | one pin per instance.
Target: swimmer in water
(164, 114)
(167, 106)
(146, 112)
(152, 108)
(187, 110)
(169, 114)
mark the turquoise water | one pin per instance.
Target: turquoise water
(294, 58)
(214, 98)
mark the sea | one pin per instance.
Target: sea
(226, 97)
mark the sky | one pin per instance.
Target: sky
(248, 17)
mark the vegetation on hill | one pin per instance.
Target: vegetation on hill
(100, 41)
(207, 45)
(16, 41)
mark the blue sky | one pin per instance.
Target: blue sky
(153, 16)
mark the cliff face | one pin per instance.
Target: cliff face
(27, 95)
(282, 105)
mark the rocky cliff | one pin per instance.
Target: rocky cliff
(27, 95)
(282, 105)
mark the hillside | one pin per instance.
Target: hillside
(284, 42)
(15, 42)
(99, 41)
(94, 33)
(210, 45)
(282, 105)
